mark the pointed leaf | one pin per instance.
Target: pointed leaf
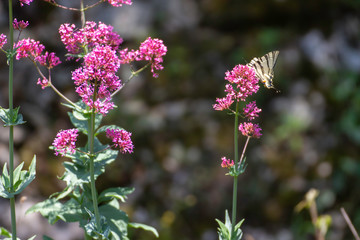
(145, 227)
(118, 193)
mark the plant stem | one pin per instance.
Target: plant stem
(236, 156)
(11, 128)
(91, 138)
(349, 223)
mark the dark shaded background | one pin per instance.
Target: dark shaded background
(311, 130)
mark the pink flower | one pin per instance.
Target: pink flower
(251, 111)
(22, 2)
(65, 141)
(118, 3)
(28, 48)
(121, 139)
(151, 50)
(226, 163)
(43, 82)
(91, 36)
(48, 60)
(243, 82)
(20, 25)
(249, 129)
(98, 77)
(3, 40)
(223, 103)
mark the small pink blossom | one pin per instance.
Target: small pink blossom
(121, 139)
(3, 40)
(28, 48)
(251, 111)
(249, 129)
(27, 2)
(151, 50)
(43, 82)
(97, 78)
(223, 103)
(226, 163)
(20, 25)
(48, 60)
(244, 80)
(91, 36)
(65, 141)
(119, 3)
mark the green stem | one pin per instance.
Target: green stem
(236, 157)
(11, 129)
(91, 138)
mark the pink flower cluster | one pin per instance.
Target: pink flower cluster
(89, 37)
(29, 48)
(97, 78)
(22, 2)
(151, 50)
(3, 40)
(119, 3)
(226, 163)
(250, 129)
(65, 141)
(242, 84)
(20, 25)
(121, 139)
(251, 111)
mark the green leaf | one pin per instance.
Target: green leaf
(47, 238)
(80, 120)
(54, 210)
(116, 219)
(22, 179)
(11, 118)
(225, 229)
(92, 230)
(144, 227)
(4, 232)
(25, 177)
(117, 193)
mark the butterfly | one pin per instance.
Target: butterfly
(264, 68)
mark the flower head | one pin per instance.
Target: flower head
(65, 141)
(20, 25)
(22, 2)
(119, 3)
(226, 163)
(28, 48)
(251, 111)
(43, 82)
(223, 103)
(249, 129)
(3, 40)
(121, 139)
(151, 50)
(48, 60)
(97, 78)
(243, 82)
(91, 36)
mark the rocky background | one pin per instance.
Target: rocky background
(311, 129)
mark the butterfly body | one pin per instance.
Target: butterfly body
(264, 68)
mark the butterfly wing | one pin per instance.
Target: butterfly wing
(264, 68)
